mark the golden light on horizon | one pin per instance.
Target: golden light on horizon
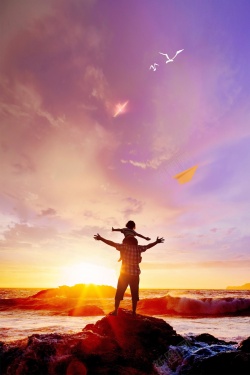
(88, 273)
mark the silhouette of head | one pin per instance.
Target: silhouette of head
(130, 224)
(130, 241)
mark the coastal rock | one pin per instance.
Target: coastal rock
(240, 287)
(124, 345)
(227, 363)
(120, 345)
(209, 339)
(245, 345)
(65, 299)
(78, 291)
(211, 360)
(145, 332)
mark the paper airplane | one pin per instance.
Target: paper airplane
(186, 175)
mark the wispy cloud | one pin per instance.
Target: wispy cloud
(133, 207)
(244, 263)
(48, 212)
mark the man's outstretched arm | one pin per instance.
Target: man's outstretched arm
(158, 240)
(100, 238)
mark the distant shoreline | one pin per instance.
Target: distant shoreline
(241, 287)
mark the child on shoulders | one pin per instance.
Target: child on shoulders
(129, 231)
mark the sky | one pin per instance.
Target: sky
(70, 168)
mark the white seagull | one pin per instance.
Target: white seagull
(153, 67)
(168, 59)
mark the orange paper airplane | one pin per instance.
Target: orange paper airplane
(186, 175)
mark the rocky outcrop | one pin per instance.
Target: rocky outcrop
(124, 345)
(120, 344)
(245, 345)
(77, 291)
(241, 287)
(226, 363)
(66, 300)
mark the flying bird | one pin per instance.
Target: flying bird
(153, 67)
(120, 109)
(186, 175)
(168, 58)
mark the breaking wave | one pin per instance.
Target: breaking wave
(184, 306)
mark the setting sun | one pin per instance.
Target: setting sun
(88, 273)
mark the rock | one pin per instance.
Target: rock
(76, 367)
(123, 345)
(88, 310)
(228, 363)
(241, 287)
(245, 345)
(133, 341)
(8, 355)
(77, 291)
(208, 339)
(120, 345)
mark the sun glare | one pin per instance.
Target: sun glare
(87, 273)
(120, 109)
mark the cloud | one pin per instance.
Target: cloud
(154, 163)
(231, 230)
(166, 158)
(24, 233)
(26, 165)
(95, 78)
(244, 263)
(214, 230)
(89, 231)
(48, 212)
(16, 16)
(134, 207)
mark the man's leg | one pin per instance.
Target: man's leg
(134, 288)
(121, 288)
(134, 305)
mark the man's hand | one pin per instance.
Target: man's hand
(100, 238)
(147, 238)
(160, 240)
(97, 237)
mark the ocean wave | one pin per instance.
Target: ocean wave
(185, 306)
(63, 300)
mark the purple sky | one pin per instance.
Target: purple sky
(69, 169)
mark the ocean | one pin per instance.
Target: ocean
(222, 313)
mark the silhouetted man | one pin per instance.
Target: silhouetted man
(130, 270)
